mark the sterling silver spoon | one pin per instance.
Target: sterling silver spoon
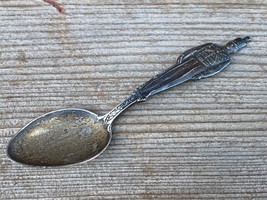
(69, 136)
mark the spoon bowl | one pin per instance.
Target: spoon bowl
(61, 137)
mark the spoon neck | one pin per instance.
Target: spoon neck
(115, 112)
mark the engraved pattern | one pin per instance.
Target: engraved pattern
(194, 64)
(213, 55)
(108, 118)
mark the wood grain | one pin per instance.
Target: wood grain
(200, 140)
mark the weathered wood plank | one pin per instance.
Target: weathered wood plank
(200, 140)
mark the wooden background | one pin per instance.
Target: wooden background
(200, 140)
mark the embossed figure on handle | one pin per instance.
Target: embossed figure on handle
(68, 136)
(199, 62)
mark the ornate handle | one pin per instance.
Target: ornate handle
(194, 64)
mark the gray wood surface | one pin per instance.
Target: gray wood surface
(200, 140)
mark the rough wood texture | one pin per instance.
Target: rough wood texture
(200, 140)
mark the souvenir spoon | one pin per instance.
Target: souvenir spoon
(69, 136)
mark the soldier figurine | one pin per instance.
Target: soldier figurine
(194, 64)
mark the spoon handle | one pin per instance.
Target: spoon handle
(194, 64)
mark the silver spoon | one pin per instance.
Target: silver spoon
(68, 136)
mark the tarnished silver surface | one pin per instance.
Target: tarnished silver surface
(70, 136)
(199, 62)
(59, 138)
